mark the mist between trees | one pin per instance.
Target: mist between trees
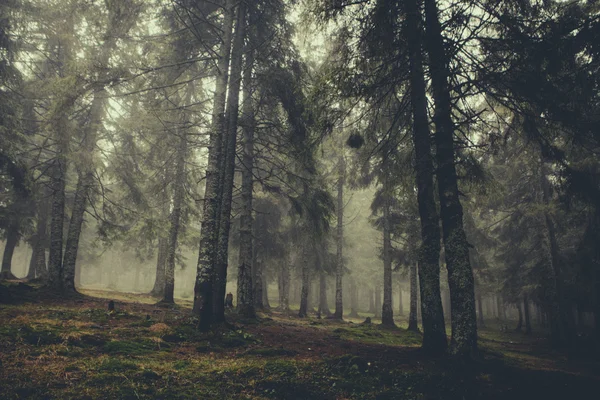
(409, 161)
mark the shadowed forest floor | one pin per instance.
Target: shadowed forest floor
(74, 349)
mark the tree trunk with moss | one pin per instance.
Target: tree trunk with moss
(434, 329)
(387, 310)
(12, 239)
(175, 220)
(526, 314)
(413, 324)
(339, 267)
(209, 231)
(460, 274)
(229, 161)
(245, 290)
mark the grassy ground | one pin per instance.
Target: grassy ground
(73, 349)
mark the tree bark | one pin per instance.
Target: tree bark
(12, 239)
(75, 227)
(245, 290)
(520, 323)
(304, 292)
(560, 319)
(175, 220)
(526, 312)
(161, 260)
(55, 267)
(387, 310)
(434, 329)
(284, 292)
(257, 269)
(412, 316)
(377, 301)
(209, 231)
(480, 319)
(339, 270)
(400, 302)
(460, 274)
(323, 306)
(229, 158)
(371, 294)
(265, 291)
(353, 298)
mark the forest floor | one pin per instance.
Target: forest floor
(52, 348)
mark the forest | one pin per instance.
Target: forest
(299, 199)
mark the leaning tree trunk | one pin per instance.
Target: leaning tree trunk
(460, 274)
(209, 231)
(12, 239)
(434, 329)
(175, 220)
(74, 232)
(387, 310)
(413, 324)
(245, 290)
(118, 24)
(339, 267)
(229, 158)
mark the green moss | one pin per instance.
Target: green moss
(116, 365)
(271, 352)
(130, 348)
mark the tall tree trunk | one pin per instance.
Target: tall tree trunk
(75, 227)
(55, 268)
(400, 302)
(520, 323)
(561, 316)
(339, 267)
(265, 291)
(323, 306)
(257, 276)
(37, 266)
(175, 220)
(304, 292)
(353, 298)
(209, 231)
(85, 179)
(245, 290)
(229, 158)
(371, 294)
(161, 260)
(499, 307)
(526, 313)
(460, 274)
(387, 310)
(412, 316)
(434, 329)
(284, 294)
(480, 319)
(377, 301)
(12, 239)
